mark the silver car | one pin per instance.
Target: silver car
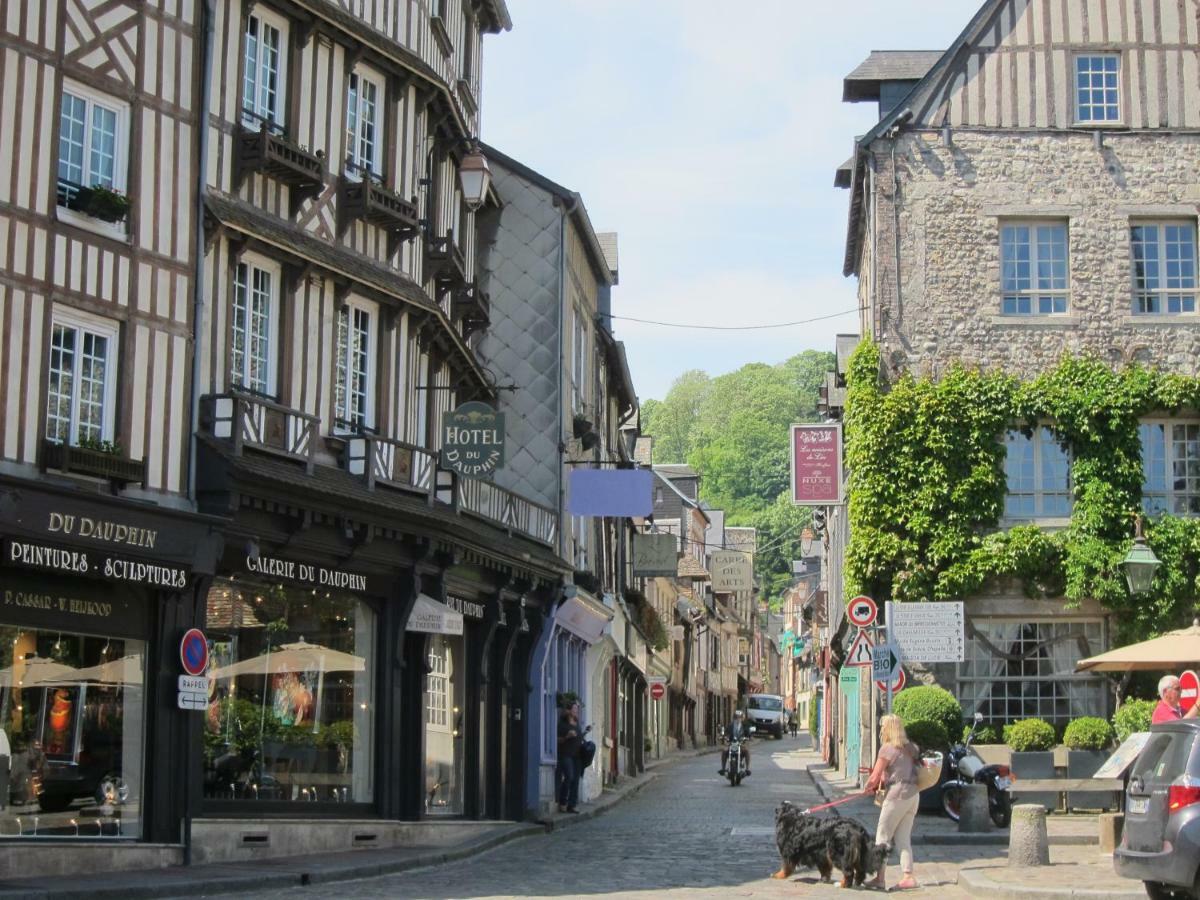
(1161, 841)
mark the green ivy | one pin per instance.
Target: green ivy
(927, 486)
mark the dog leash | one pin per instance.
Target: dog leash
(813, 809)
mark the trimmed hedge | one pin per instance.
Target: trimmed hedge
(928, 735)
(1132, 717)
(812, 718)
(984, 734)
(929, 703)
(1089, 733)
(1029, 734)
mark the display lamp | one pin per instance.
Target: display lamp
(1140, 563)
(475, 177)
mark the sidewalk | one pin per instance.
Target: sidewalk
(979, 863)
(283, 872)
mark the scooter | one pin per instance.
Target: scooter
(967, 768)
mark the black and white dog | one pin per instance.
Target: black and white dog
(805, 841)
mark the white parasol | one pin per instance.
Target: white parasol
(126, 670)
(37, 670)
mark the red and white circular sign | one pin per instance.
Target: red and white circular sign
(658, 690)
(193, 651)
(862, 611)
(897, 685)
(1189, 690)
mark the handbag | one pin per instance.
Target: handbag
(880, 795)
(929, 772)
(587, 752)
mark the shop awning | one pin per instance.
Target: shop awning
(430, 617)
(583, 617)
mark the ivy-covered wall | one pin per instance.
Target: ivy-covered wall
(927, 487)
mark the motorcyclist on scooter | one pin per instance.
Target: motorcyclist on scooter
(737, 730)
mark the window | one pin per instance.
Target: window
(354, 392)
(445, 690)
(1019, 670)
(1038, 472)
(579, 354)
(1170, 467)
(92, 140)
(81, 394)
(1096, 91)
(264, 69)
(362, 127)
(1164, 267)
(255, 311)
(1033, 265)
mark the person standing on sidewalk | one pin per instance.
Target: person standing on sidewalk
(568, 771)
(896, 769)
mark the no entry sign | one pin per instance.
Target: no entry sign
(1189, 689)
(658, 690)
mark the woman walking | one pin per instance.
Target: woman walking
(896, 770)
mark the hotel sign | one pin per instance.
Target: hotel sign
(816, 452)
(472, 440)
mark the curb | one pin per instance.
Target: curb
(980, 885)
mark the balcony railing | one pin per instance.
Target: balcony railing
(365, 198)
(503, 507)
(244, 419)
(380, 460)
(472, 306)
(446, 262)
(111, 464)
(267, 150)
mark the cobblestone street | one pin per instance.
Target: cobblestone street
(687, 834)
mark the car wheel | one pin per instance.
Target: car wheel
(1156, 890)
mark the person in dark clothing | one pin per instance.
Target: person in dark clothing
(737, 729)
(568, 770)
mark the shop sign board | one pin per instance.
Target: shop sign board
(88, 563)
(1189, 684)
(60, 604)
(472, 440)
(928, 632)
(1123, 757)
(885, 662)
(468, 608)
(430, 617)
(731, 570)
(307, 573)
(861, 611)
(655, 555)
(816, 452)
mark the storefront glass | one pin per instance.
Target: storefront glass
(444, 693)
(71, 726)
(292, 701)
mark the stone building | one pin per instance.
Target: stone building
(1027, 194)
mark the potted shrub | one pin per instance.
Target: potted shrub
(1032, 743)
(1089, 741)
(1132, 717)
(103, 203)
(931, 703)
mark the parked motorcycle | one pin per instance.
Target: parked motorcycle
(967, 768)
(736, 767)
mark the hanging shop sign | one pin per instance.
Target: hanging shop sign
(430, 617)
(816, 452)
(655, 555)
(29, 554)
(611, 492)
(472, 440)
(731, 570)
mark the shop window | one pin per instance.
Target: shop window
(264, 69)
(1038, 472)
(1020, 670)
(72, 711)
(354, 389)
(1170, 467)
(255, 317)
(291, 714)
(81, 389)
(444, 699)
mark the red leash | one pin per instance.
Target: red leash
(813, 809)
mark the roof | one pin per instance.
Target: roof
(499, 11)
(677, 470)
(690, 567)
(608, 245)
(844, 173)
(643, 449)
(886, 65)
(574, 206)
(741, 538)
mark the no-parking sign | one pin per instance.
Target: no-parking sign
(193, 652)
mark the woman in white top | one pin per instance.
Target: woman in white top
(896, 770)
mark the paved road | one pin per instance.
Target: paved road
(686, 834)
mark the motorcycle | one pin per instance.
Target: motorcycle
(735, 766)
(967, 768)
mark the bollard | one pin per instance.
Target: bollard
(973, 813)
(1027, 841)
(1111, 826)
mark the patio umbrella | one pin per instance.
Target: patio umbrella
(1173, 650)
(126, 670)
(37, 670)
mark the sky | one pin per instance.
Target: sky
(706, 134)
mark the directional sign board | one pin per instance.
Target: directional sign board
(885, 660)
(928, 632)
(897, 685)
(1189, 684)
(861, 611)
(193, 692)
(860, 651)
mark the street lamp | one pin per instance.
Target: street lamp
(474, 176)
(1140, 563)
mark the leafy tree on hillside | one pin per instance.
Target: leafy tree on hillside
(672, 419)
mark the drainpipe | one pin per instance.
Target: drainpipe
(562, 366)
(209, 14)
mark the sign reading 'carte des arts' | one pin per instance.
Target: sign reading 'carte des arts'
(472, 440)
(731, 571)
(817, 464)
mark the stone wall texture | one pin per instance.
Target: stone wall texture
(952, 201)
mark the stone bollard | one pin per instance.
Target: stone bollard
(1027, 841)
(973, 813)
(1111, 826)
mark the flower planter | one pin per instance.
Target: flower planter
(97, 463)
(100, 203)
(1034, 764)
(1083, 764)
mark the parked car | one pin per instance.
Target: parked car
(766, 712)
(1161, 841)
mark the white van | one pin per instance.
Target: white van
(766, 713)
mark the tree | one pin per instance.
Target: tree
(670, 421)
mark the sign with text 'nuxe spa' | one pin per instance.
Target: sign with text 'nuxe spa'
(817, 464)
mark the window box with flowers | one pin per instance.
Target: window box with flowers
(99, 459)
(105, 204)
